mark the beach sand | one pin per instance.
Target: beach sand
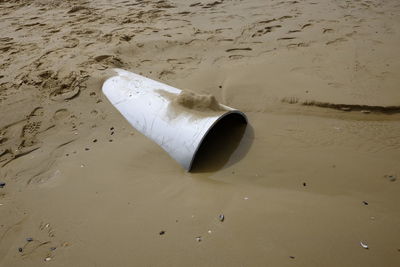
(315, 180)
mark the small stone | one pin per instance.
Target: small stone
(29, 239)
(112, 128)
(94, 140)
(209, 231)
(292, 257)
(198, 239)
(162, 232)
(304, 184)
(20, 250)
(53, 248)
(110, 140)
(112, 132)
(87, 149)
(391, 178)
(2, 184)
(365, 203)
(221, 217)
(365, 111)
(47, 259)
(364, 245)
(246, 198)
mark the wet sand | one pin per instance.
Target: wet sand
(316, 171)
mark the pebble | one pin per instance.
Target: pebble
(2, 184)
(292, 257)
(47, 259)
(94, 140)
(246, 198)
(198, 238)
(304, 184)
(364, 245)
(29, 239)
(162, 232)
(391, 178)
(221, 217)
(20, 250)
(365, 202)
(53, 248)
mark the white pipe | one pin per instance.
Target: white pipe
(175, 120)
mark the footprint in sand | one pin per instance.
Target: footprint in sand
(286, 38)
(238, 49)
(328, 30)
(265, 30)
(42, 243)
(71, 43)
(61, 114)
(68, 89)
(75, 9)
(213, 4)
(295, 45)
(336, 41)
(306, 25)
(109, 60)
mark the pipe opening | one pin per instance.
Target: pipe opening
(224, 144)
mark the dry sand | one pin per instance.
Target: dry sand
(313, 176)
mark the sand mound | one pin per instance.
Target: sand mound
(198, 102)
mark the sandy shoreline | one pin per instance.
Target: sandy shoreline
(317, 171)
